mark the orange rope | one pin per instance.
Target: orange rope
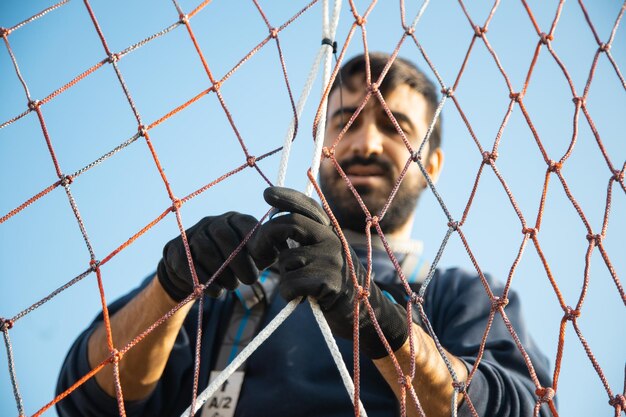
(489, 159)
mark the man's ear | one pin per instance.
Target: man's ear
(435, 164)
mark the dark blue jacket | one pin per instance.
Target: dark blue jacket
(293, 374)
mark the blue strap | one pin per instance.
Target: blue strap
(388, 295)
(244, 319)
(242, 325)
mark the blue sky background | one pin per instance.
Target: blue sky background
(41, 248)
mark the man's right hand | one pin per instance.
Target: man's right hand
(211, 242)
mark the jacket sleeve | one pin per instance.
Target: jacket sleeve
(89, 400)
(458, 307)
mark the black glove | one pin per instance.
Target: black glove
(318, 268)
(211, 241)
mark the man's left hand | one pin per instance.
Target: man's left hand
(318, 268)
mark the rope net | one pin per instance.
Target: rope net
(327, 62)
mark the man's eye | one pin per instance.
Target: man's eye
(390, 129)
(340, 123)
(406, 129)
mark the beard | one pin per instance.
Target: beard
(346, 208)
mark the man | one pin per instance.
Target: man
(292, 373)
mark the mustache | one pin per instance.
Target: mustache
(373, 159)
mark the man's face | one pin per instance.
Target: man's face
(373, 154)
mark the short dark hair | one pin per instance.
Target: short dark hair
(402, 71)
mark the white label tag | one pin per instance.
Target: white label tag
(224, 401)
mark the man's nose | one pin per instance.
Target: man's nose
(367, 140)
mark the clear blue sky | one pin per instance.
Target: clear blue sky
(42, 248)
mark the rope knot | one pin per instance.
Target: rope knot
(94, 264)
(416, 299)
(331, 43)
(373, 88)
(113, 58)
(578, 101)
(531, 231)
(141, 129)
(409, 30)
(416, 156)
(618, 175)
(216, 86)
(116, 356)
(448, 92)
(545, 394)
(5, 324)
(546, 38)
(454, 225)
(251, 161)
(595, 238)
(459, 386)
(489, 157)
(604, 47)
(571, 314)
(34, 104)
(618, 401)
(479, 32)
(497, 302)
(404, 381)
(4, 32)
(372, 220)
(328, 152)
(66, 180)
(176, 204)
(554, 166)
(273, 33)
(362, 293)
(516, 97)
(198, 291)
(360, 20)
(183, 18)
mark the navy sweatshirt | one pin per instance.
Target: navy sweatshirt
(293, 374)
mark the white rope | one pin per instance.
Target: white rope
(329, 33)
(315, 164)
(325, 52)
(284, 160)
(319, 138)
(241, 358)
(420, 13)
(334, 351)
